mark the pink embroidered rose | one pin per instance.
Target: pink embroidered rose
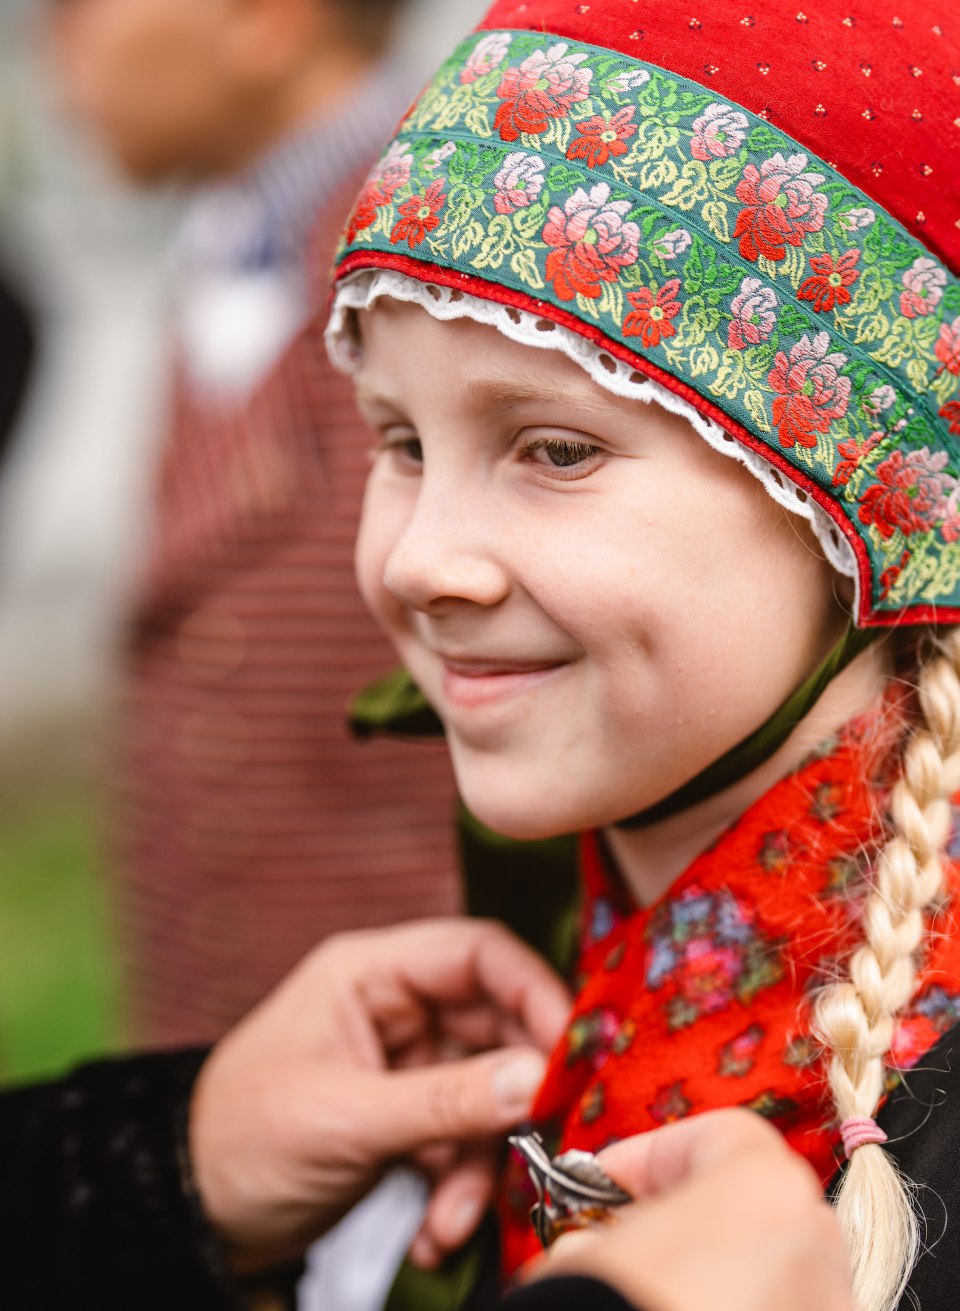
(393, 170)
(909, 493)
(718, 133)
(880, 399)
(950, 528)
(754, 314)
(440, 155)
(631, 79)
(603, 136)
(671, 244)
(546, 85)
(782, 206)
(386, 177)
(591, 242)
(811, 391)
(947, 349)
(652, 313)
(855, 219)
(486, 55)
(518, 183)
(923, 285)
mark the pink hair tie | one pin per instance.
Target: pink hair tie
(858, 1131)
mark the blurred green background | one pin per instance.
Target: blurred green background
(59, 985)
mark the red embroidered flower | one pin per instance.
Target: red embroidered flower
(827, 288)
(782, 206)
(591, 242)
(387, 176)
(602, 136)
(811, 391)
(546, 85)
(909, 493)
(947, 349)
(891, 574)
(651, 315)
(420, 215)
(951, 412)
(853, 452)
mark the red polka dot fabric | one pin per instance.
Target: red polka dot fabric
(872, 88)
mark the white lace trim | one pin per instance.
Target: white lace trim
(359, 291)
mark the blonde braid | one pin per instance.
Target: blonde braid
(855, 1019)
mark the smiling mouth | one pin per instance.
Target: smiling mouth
(479, 682)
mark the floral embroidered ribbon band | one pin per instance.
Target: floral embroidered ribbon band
(687, 236)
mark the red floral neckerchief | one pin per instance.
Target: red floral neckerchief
(702, 999)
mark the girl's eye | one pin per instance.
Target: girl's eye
(404, 448)
(562, 457)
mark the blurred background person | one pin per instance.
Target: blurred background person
(245, 819)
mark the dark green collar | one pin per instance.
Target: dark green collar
(757, 748)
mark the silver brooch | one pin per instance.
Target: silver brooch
(573, 1190)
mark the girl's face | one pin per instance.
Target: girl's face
(596, 603)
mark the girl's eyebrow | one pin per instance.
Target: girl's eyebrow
(496, 393)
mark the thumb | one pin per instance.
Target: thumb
(472, 1098)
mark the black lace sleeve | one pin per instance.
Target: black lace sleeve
(572, 1293)
(97, 1207)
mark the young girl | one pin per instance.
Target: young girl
(656, 314)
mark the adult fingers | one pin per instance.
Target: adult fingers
(474, 1098)
(460, 961)
(655, 1162)
(457, 1204)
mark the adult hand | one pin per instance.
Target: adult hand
(728, 1218)
(367, 1054)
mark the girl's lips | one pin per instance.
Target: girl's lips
(477, 683)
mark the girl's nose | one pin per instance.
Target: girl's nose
(447, 553)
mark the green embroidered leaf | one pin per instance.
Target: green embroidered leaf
(703, 359)
(918, 371)
(897, 344)
(690, 188)
(715, 216)
(524, 266)
(562, 178)
(724, 173)
(529, 222)
(495, 245)
(763, 138)
(660, 174)
(477, 120)
(729, 379)
(653, 141)
(586, 305)
(757, 409)
(944, 386)
(873, 327)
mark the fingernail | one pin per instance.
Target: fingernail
(516, 1080)
(465, 1218)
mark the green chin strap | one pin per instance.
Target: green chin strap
(395, 705)
(757, 748)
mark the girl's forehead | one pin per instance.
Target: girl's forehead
(404, 344)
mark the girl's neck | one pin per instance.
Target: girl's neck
(651, 858)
